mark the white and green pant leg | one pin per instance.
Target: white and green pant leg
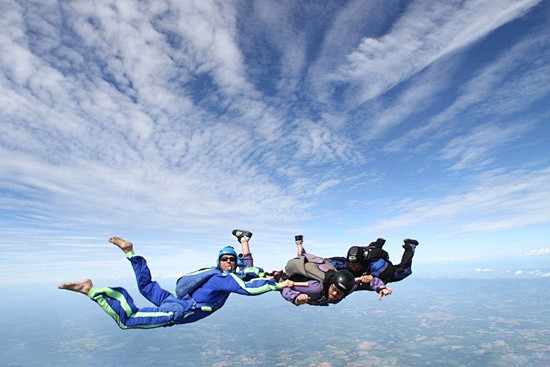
(120, 306)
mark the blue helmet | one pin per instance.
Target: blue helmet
(228, 250)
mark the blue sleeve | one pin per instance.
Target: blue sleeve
(232, 283)
(338, 263)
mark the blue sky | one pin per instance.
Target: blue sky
(170, 123)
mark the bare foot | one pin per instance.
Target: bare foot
(83, 286)
(122, 244)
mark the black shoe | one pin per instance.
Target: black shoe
(379, 243)
(239, 233)
(410, 241)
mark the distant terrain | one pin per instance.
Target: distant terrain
(426, 322)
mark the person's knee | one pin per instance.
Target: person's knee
(171, 304)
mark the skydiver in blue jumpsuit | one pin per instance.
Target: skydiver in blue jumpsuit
(178, 307)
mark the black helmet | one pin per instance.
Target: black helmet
(343, 280)
(355, 254)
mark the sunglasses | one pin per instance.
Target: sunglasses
(227, 258)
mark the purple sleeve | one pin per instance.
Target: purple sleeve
(376, 284)
(314, 291)
(248, 261)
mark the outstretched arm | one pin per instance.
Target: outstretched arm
(384, 292)
(300, 294)
(232, 283)
(377, 285)
(290, 283)
(364, 279)
(371, 283)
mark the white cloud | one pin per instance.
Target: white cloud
(474, 148)
(518, 272)
(123, 136)
(543, 251)
(319, 142)
(480, 270)
(209, 28)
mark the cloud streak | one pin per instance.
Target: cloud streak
(497, 92)
(497, 201)
(425, 33)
